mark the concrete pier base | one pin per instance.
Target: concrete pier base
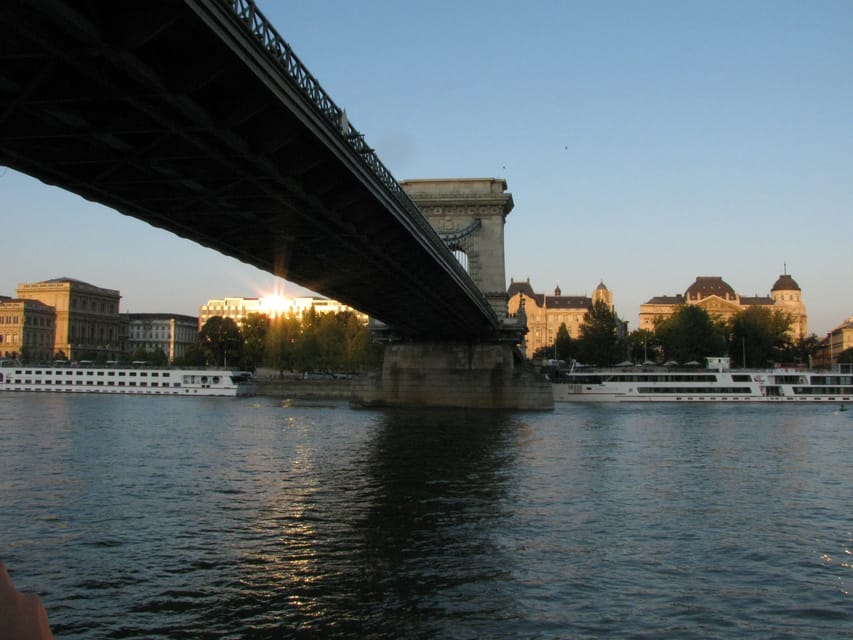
(441, 374)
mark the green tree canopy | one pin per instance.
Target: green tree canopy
(563, 344)
(643, 345)
(320, 342)
(802, 351)
(255, 329)
(759, 336)
(195, 356)
(690, 335)
(281, 343)
(222, 341)
(598, 342)
(845, 356)
(156, 358)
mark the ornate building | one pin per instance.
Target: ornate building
(834, 343)
(170, 333)
(546, 313)
(87, 318)
(718, 298)
(27, 329)
(238, 309)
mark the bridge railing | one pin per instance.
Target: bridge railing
(276, 46)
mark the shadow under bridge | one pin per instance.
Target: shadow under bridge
(198, 118)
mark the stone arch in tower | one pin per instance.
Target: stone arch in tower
(469, 214)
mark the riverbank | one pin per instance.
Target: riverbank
(288, 388)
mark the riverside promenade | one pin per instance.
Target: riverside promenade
(299, 389)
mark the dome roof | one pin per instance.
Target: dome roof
(785, 283)
(601, 286)
(706, 286)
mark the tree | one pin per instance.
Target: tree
(255, 329)
(759, 336)
(560, 349)
(157, 357)
(280, 346)
(222, 341)
(598, 342)
(563, 343)
(802, 350)
(845, 356)
(643, 345)
(361, 350)
(195, 356)
(691, 335)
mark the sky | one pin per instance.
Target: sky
(644, 143)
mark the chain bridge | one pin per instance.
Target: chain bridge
(197, 117)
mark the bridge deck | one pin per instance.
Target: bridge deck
(173, 112)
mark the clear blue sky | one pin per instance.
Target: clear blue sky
(645, 143)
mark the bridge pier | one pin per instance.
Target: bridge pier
(475, 375)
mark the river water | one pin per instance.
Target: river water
(162, 517)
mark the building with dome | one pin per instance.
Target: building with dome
(720, 300)
(545, 313)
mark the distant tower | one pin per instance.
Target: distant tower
(787, 297)
(603, 294)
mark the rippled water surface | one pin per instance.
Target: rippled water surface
(149, 517)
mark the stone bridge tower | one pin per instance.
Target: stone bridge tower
(487, 373)
(469, 215)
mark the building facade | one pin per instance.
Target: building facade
(27, 330)
(87, 319)
(238, 309)
(170, 333)
(838, 340)
(546, 313)
(721, 301)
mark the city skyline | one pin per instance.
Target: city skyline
(644, 145)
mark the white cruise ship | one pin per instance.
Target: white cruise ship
(125, 379)
(715, 383)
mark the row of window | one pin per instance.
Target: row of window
(712, 391)
(90, 304)
(92, 383)
(81, 372)
(70, 373)
(812, 391)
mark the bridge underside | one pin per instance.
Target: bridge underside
(169, 112)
